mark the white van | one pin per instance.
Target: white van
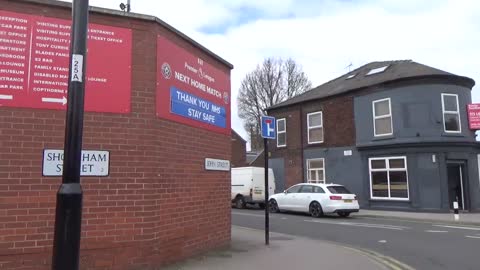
(248, 185)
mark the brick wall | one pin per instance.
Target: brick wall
(157, 206)
(339, 130)
(338, 121)
(239, 151)
(292, 153)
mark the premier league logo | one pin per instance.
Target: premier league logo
(226, 97)
(200, 73)
(166, 71)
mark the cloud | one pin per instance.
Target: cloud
(325, 36)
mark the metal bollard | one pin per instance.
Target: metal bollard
(455, 211)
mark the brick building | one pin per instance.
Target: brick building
(154, 205)
(239, 150)
(396, 133)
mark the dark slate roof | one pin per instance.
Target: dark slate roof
(396, 71)
(252, 158)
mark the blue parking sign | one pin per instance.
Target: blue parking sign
(268, 127)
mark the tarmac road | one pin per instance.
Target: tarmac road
(421, 245)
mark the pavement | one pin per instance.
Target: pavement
(248, 251)
(464, 218)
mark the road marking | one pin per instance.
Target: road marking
(385, 261)
(254, 215)
(247, 214)
(474, 237)
(434, 231)
(382, 241)
(366, 225)
(459, 227)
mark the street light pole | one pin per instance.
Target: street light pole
(68, 219)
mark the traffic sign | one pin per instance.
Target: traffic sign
(268, 127)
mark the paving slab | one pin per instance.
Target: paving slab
(248, 251)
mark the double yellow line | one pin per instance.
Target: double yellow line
(386, 261)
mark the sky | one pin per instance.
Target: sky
(326, 36)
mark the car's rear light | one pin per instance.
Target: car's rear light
(334, 198)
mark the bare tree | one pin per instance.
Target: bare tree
(272, 82)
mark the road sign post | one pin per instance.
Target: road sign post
(68, 218)
(268, 132)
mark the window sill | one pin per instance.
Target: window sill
(388, 200)
(382, 138)
(315, 143)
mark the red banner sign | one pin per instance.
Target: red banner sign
(34, 64)
(190, 90)
(474, 116)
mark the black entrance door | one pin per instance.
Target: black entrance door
(456, 186)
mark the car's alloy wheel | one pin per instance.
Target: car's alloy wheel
(316, 210)
(273, 206)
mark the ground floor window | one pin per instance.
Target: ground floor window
(316, 170)
(388, 178)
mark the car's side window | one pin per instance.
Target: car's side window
(318, 190)
(307, 189)
(294, 189)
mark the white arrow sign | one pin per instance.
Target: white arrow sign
(62, 100)
(6, 97)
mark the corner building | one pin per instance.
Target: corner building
(396, 133)
(147, 195)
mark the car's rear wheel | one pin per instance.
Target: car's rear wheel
(315, 210)
(343, 214)
(240, 202)
(273, 206)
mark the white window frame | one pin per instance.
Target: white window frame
(316, 169)
(457, 112)
(281, 132)
(313, 127)
(382, 117)
(388, 170)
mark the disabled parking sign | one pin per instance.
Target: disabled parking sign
(268, 127)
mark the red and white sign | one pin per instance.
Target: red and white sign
(190, 90)
(474, 116)
(34, 64)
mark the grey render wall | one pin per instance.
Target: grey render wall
(278, 167)
(416, 113)
(340, 169)
(474, 179)
(427, 180)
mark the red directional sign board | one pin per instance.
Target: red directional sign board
(190, 90)
(34, 62)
